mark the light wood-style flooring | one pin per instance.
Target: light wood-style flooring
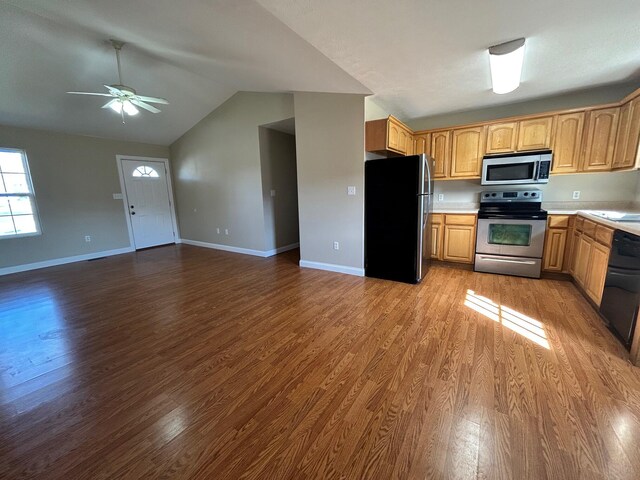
(183, 362)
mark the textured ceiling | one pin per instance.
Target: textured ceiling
(194, 53)
(425, 57)
(419, 57)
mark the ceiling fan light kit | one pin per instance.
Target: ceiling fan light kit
(124, 99)
(506, 62)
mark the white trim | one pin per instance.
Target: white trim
(61, 261)
(246, 251)
(359, 272)
(125, 201)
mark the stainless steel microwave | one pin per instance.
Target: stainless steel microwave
(516, 168)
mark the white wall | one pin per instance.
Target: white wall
(330, 146)
(218, 174)
(74, 178)
(279, 173)
(604, 188)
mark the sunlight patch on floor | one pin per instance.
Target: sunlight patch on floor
(526, 326)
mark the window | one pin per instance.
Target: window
(18, 216)
(143, 171)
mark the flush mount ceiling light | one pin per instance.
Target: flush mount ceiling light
(506, 65)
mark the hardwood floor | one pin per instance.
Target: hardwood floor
(182, 362)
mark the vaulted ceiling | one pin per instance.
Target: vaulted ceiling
(419, 57)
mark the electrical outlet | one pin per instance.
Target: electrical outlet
(336, 245)
(351, 190)
(87, 238)
(273, 193)
(226, 231)
(217, 230)
(576, 194)
(441, 197)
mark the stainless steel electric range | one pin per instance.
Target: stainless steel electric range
(511, 230)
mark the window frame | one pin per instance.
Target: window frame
(31, 195)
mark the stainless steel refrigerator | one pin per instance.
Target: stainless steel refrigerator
(398, 199)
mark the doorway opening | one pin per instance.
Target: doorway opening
(279, 186)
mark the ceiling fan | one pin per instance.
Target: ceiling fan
(124, 99)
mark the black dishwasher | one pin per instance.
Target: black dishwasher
(621, 295)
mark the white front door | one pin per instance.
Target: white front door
(147, 197)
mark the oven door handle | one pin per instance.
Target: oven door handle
(504, 260)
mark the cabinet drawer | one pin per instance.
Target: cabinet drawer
(558, 221)
(589, 228)
(437, 218)
(604, 235)
(460, 219)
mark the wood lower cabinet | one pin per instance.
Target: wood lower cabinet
(459, 238)
(554, 247)
(502, 137)
(535, 134)
(590, 257)
(422, 144)
(441, 152)
(467, 150)
(567, 143)
(598, 262)
(436, 236)
(602, 127)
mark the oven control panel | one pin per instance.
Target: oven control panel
(491, 196)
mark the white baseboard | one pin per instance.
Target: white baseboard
(359, 272)
(246, 251)
(61, 261)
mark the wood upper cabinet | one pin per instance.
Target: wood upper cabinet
(567, 142)
(602, 127)
(422, 143)
(388, 135)
(467, 150)
(502, 137)
(535, 134)
(441, 152)
(598, 262)
(628, 137)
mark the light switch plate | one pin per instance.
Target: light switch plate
(351, 190)
(273, 193)
(117, 196)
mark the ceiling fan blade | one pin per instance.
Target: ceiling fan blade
(146, 106)
(108, 104)
(152, 99)
(114, 90)
(91, 93)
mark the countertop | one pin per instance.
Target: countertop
(558, 209)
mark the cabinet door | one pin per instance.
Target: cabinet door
(583, 253)
(535, 134)
(422, 143)
(554, 246)
(436, 241)
(602, 126)
(598, 260)
(467, 149)
(405, 145)
(573, 260)
(502, 137)
(628, 137)
(567, 142)
(393, 136)
(440, 151)
(459, 242)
